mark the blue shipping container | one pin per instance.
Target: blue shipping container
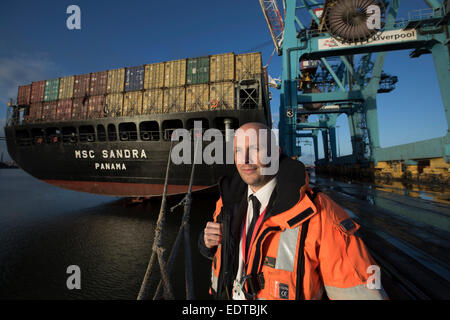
(134, 78)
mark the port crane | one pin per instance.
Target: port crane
(332, 64)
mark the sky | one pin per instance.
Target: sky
(35, 44)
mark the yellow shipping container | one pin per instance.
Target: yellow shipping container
(116, 79)
(221, 96)
(221, 67)
(248, 66)
(154, 76)
(175, 73)
(153, 101)
(197, 97)
(114, 104)
(66, 87)
(174, 100)
(132, 104)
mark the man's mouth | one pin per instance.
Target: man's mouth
(248, 170)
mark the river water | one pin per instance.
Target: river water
(45, 229)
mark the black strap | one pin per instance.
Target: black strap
(299, 295)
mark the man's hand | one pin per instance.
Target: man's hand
(213, 234)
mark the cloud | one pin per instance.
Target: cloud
(21, 70)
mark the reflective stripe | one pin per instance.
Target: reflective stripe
(213, 281)
(355, 293)
(287, 249)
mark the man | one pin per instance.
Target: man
(273, 237)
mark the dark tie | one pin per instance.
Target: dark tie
(256, 207)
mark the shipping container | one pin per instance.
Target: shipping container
(132, 104)
(152, 101)
(64, 109)
(221, 67)
(81, 85)
(134, 78)
(98, 83)
(197, 70)
(51, 92)
(154, 76)
(114, 104)
(66, 87)
(222, 96)
(175, 73)
(79, 108)
(197, 97)
(49, 111)
(24, 95)
(116, 80)
(96, 106)
(37, 91)
(174, 100)
(248, 66)
(35, 112)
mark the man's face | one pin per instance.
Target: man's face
(248, 152)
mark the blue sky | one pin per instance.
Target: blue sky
(35, 44)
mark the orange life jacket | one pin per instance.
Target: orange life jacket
(333, 260)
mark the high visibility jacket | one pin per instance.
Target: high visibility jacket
(333, 260)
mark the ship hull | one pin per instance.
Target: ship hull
(118, 168)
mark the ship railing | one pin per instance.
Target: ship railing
(87, 137)
(147, 135)
(128, 135)
(69, 138)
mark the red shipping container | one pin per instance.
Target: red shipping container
(96, 107)
(35, 112)
(99, 81)
(24, 95)
(79, 108)
(37, 91)
(64, 110)
(81, 85)
(49, 111)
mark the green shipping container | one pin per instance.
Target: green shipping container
(51, 92)
(197, 70)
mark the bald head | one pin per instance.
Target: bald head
(256, 154)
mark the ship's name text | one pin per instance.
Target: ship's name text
(112, 154)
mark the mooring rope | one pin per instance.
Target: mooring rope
(183, 232)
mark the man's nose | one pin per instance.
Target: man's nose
(246, 157)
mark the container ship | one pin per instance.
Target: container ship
(109, 132)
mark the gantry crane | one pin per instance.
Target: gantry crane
(319, 42)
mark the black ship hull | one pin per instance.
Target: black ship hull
(86, 156)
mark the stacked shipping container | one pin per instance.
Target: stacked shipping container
(66, 87)
(51, 91)
(24, 95)
(186, 85)
(37, 91)
(81, 85)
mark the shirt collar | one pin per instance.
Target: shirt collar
(263, 194)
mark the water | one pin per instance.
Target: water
(45, 229)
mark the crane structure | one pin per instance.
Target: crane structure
(333, 52)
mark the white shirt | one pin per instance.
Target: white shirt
(263, 196)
